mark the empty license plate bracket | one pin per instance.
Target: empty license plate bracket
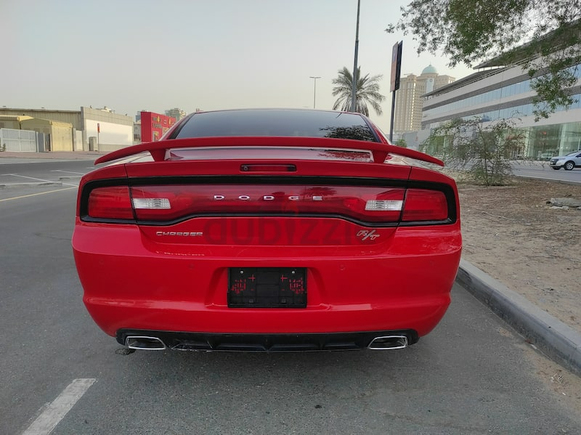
(267, 287)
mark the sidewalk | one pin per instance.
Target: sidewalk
(557, 340)
(16, 157)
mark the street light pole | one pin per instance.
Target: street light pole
(315, 90)
(354, 77)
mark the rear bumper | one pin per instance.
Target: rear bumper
(420, 315)
(131, 284)
(265, 342)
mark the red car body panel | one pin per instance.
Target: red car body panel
(402, 283)
(173, 276)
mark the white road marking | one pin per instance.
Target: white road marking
(36, 194)
(68, 172)
(54, 412)
(30, 178)
(41, 180)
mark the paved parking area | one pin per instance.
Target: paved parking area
(44, 173)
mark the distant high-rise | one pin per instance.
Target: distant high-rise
(176, 113)
(408, 101)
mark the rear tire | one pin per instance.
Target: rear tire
(569, 166)
(556, 168)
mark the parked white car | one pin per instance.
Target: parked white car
(569, 161)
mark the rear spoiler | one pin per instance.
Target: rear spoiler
(377, 149)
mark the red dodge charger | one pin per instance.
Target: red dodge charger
(267, 230)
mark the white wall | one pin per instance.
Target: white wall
(78, 140)
(111, 134)
(116, 130)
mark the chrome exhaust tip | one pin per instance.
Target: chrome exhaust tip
(142, 342)
(389, 342)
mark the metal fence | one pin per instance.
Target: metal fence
(21, 140)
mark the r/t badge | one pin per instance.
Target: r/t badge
(365, 234)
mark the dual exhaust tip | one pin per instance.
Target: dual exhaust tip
(386, 342)
(389, 342)
(143, 342)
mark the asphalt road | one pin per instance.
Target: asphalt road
(544, 171)
(471, 375)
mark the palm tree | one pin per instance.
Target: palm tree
(367, 92)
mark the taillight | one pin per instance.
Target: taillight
(362, 203)
(110, 203)
(365, 204)
(425, 205)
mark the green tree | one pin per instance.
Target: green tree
(482, 150)
(367, 92)
(401, 143)
(542, 35)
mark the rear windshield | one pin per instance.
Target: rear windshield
(302, 123)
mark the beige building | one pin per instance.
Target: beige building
(59, 134)
(92, 129)
(409, 101)
(12, 121)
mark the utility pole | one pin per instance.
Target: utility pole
(315, 90)
(396, 55)
(355, 78)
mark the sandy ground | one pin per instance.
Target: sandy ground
(512, 234)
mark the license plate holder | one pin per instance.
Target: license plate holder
(267, 287)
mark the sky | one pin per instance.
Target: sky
(135, 55)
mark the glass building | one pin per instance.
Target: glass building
(501, 92)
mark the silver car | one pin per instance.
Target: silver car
(570, 161)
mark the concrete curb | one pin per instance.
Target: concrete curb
(560, 342)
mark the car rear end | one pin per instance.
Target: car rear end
(311, 247)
